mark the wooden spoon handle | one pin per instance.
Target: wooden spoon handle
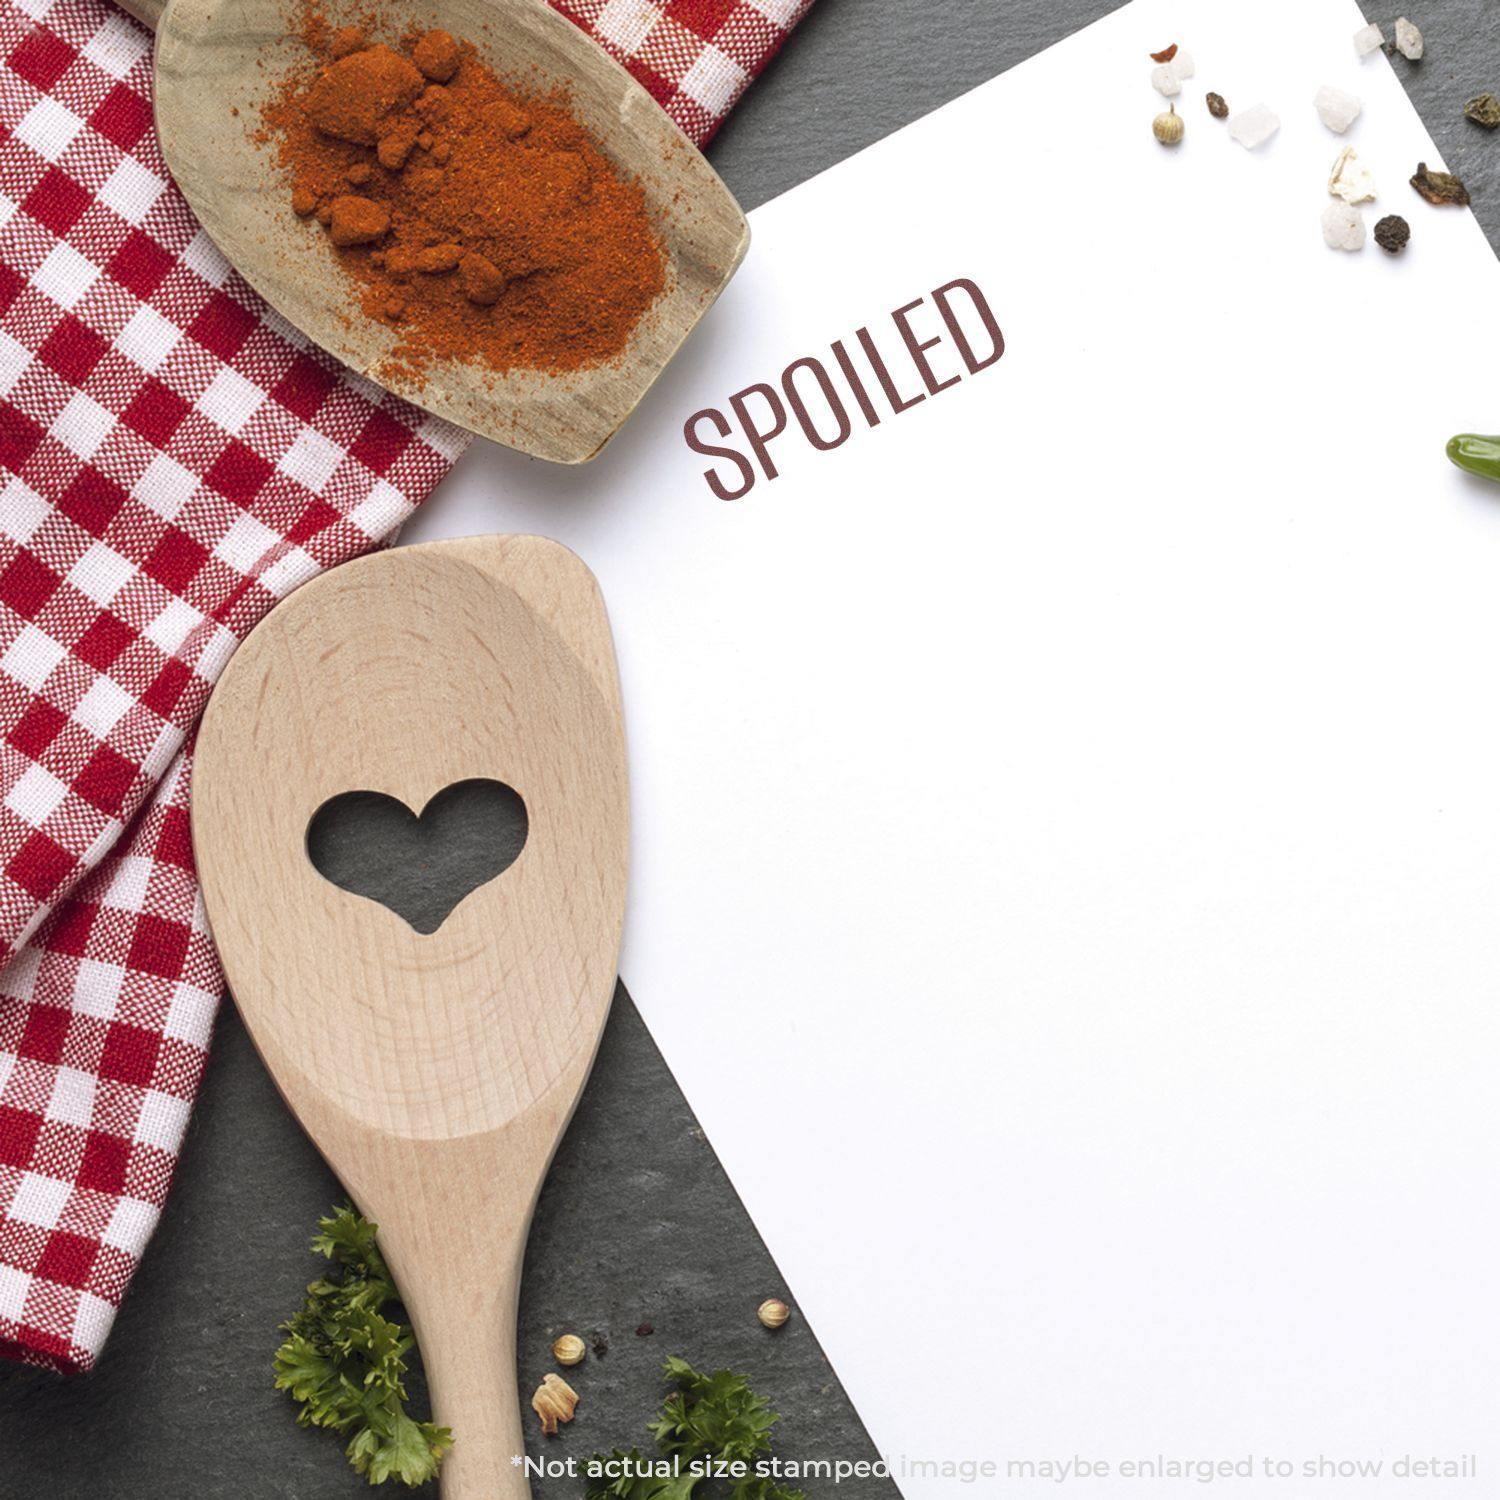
(468, 1344)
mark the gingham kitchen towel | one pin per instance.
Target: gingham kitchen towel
(173, 460)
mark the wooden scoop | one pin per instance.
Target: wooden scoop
(217, 62)
(437, 1071)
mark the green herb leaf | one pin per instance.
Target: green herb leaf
(343, 1361)
(714, 1415)
(713, 1418)
(633, 1481)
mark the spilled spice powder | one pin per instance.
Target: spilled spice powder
(483, 224)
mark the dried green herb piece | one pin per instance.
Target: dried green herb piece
(1392, 233)
(1484, 109)
(1165, 55)
(1476, 454)
(1217, 107)
(1439, 187)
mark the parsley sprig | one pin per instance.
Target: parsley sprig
(705, 1419)
(343, 1361)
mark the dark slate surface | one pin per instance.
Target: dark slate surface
(637, 1223)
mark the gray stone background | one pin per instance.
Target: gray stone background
(638, 1222)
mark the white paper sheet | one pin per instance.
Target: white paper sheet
(1067, 863)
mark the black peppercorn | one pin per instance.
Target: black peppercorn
(1217, 107)
(1392, 233)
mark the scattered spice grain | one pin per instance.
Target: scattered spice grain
(1409, 41)
(1165, 55)
(483, 220)
(1217, 107)
(554, 1401)
(773, 1313)
(1343, 227)
(1484, 109)
(1439, 187)
(1350, 179)
(1392, 234)
(569, 1349)
(1168, 128)
(644, 1331)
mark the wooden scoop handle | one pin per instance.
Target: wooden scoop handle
(467, 1335)
(147, 12)
(454, 1236)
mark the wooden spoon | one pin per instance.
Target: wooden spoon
(217, 62)
(435, 1072)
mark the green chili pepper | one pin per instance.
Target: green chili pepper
(1476, 453)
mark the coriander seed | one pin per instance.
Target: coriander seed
(1168, 128)
(773, 1312)
(569, 1349)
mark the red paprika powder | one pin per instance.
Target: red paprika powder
(481, 223)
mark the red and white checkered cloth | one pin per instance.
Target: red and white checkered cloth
(174, 459)
(694, 57)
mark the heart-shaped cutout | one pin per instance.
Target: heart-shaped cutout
(419, 865)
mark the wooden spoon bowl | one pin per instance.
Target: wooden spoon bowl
(219, 61)
(434, 1069)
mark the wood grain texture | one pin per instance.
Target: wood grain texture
(217, 61)
(436, 1073)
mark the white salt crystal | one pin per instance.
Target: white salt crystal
(1350, 179)
(1165, 81)
(1409, 40)
(1368, 39)
(1337, 108)
(1182, 65)
(1343, 227)
(1254, 126)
